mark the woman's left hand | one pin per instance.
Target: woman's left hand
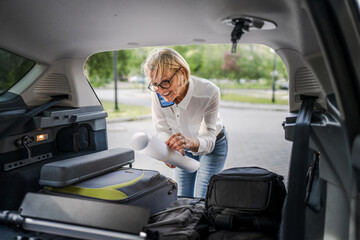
(180, 143)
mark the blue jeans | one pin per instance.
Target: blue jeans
(210, 164)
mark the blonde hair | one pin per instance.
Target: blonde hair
(160, 59)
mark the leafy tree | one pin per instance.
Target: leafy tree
(99, 67)
(123, 63)
(138, 56)
(212, 62)
(207, 61)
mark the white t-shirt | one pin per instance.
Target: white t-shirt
(197, 115)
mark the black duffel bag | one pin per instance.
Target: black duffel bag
(183, 220)
(245, 199)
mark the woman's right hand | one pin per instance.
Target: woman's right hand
(180, 143)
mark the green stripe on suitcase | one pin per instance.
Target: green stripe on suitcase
(105, 193)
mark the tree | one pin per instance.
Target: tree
(99, 68)
(206, 61)
(123, 63)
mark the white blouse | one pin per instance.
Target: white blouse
(197, 115)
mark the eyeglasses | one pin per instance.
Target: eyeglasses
(163, 84)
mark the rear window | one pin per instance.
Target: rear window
(12, 68)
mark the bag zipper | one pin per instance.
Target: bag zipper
(136, 195)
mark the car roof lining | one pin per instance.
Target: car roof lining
(48, 30)
(51, 32)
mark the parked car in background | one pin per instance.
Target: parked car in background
(136, 79)
(283, 84)
(49, 111)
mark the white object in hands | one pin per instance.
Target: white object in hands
(156, 148)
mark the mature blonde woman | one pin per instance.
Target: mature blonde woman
(185, 111)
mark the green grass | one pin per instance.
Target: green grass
(125, 110)
(252, 99)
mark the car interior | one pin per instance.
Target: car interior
(50, 114)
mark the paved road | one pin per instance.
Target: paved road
(256, 138)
